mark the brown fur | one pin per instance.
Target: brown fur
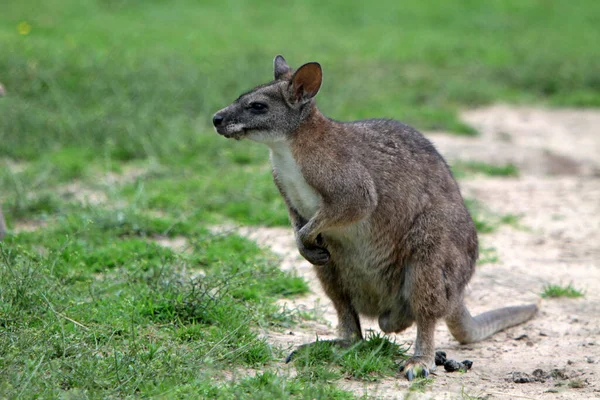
(375, 208)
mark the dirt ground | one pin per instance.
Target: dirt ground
(557, 240)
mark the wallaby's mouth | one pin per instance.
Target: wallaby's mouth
(232, 131)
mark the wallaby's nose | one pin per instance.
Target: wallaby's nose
(217, 120)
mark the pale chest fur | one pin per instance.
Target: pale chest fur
(351, 245)
(303, 197)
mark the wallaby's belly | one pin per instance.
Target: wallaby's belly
(352, 248)
(362, 268)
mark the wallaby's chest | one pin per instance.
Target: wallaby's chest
(303, 197)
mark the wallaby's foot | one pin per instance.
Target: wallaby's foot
(314, 253)
(343, 343)
(416, 367)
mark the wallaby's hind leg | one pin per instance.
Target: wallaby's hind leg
(428, 301)
(423, 359)
(468, 329)
(348, 320)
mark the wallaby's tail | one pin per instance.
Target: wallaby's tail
(468, 329)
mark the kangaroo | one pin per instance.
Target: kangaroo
(375, 209)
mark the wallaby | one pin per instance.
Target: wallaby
(375, 208)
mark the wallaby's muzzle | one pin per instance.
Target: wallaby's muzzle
(226, 126)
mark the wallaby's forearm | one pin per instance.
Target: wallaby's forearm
(297, 220)
(314, 251)
(331, 216)
(323, 220)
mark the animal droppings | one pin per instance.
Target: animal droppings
(440, 357)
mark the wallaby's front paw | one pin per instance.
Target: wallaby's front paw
(415, 367)
(314, 253)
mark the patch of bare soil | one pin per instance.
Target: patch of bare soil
(177, 243)
(84, 194)
(557, 354)
(540, 142)
(127, 175)
(28, 226)
(77, 192)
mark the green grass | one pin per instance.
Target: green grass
(106, 147)
(94, 305)
(269, 385)
(97, 83)
(142, 80)
(488, 221)
(487, 255)
(463, 169)
(420, 384)
(369, 360)
(554, 291)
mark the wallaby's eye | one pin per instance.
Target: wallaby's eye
(258, 107)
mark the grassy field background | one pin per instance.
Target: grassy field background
(110, 101)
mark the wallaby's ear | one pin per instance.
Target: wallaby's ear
(280, 67)
(306, 82)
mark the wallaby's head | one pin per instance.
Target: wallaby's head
(270, 112)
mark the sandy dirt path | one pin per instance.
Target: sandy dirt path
(557, 240)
